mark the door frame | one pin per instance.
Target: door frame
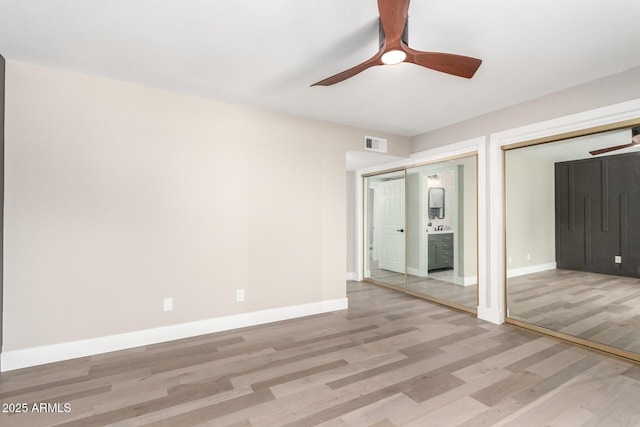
(2, 108)
(473, 147)
(2, 101)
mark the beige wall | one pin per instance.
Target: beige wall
(352, 268)
(119, 195)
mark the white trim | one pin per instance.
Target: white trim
(16, 359)
(457, 148)
(491, 315)
(589, 119)
(412, 271)
(494, 261)
(466, 280)
(515, 272)
(432, 155)
(482, 251)
(352, 275)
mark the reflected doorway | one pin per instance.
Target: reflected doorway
(385, 236)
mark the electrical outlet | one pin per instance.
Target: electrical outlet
(528, 257)
(618, 259)
(168, 304)
(510, 259)
(240, 295)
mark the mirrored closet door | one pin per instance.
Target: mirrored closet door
(573, 239)
(425, 242)
(441, 238)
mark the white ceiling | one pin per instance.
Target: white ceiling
(266, 53)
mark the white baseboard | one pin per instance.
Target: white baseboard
(352, 275)
(466, 280)
(491, 315)
(16, 359)
(416, 272)
(514, 272)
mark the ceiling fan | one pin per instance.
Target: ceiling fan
(635, 140)
(394, 48)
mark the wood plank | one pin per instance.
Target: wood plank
(389, 360)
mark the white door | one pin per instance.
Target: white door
(393, 232)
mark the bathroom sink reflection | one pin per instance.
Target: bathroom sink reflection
(439, 231)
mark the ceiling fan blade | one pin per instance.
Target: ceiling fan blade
(393, 16)
(609, 149)
(393, 20)
(371, 62)
(457, 65)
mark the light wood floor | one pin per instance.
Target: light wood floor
(597, 307)
(430, 286)
(389, 360)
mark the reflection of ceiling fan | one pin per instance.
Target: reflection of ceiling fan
(635, 140)
(394, 48)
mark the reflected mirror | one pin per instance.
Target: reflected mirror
(436, 202)
(573, 238)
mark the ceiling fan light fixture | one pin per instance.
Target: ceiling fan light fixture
(393, 57)
(394, 48)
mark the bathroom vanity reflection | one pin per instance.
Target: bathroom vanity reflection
(440, 250)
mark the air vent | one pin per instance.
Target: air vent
(375, 144)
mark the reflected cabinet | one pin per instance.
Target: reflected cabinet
(440, 250)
